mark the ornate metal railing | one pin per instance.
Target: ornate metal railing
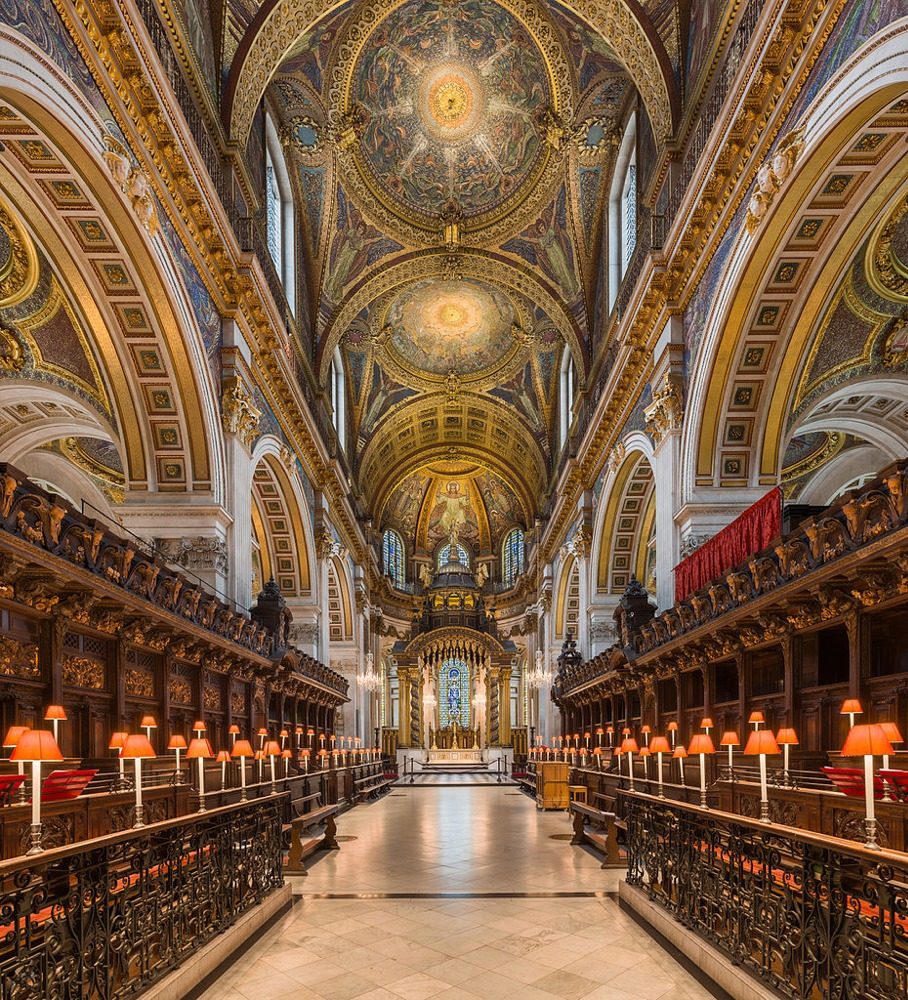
(107, 918)
(812, 917)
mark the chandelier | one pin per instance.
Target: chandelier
(368, 678)
(539, 674)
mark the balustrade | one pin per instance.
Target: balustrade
(106, 918)
(811, 916)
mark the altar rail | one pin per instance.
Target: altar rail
(810, 916)
(107, 918)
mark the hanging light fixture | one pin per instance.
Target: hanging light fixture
(369, 678)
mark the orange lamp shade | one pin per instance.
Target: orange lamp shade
(680, 752)
(701, 743)
(286, 753)
(586, 736)
(626, 731)
(283, 734)
(55, 712)
(199, 748)
(852, 707)
(645, 752)
(610, 729)
(13, 735)
(298, 730)
(199, 726)
(620, 751)
(272, 749)
(36, 744)
(306, 753)
(672, 727)
(176, 742)
(756, 717)
(116, 741)
(223, 757)
(323, 753)
(862, 741)
(259, 755)
(310, 732)
(242, 748)
(576, 736)
(729, 739)
(629, 745)
(148, 722)
(597, 750)
(137, 746)
(892, 732)
(645, 729)
(706, 723)
(234, 730)
(599, 730)
(761, 741)
(787, 736)
(659, 744)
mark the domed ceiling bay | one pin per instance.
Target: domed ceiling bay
(455, 159)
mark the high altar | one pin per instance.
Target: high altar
(454, 672)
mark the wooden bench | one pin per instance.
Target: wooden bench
(371, 786)
(301, 846)
(528, 784)
(604, 835)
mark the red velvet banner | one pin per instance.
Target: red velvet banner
(749, 533)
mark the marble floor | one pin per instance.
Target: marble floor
(456, 893)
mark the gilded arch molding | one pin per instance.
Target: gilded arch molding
(468, 264)
(273, 33)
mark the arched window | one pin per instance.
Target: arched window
(279, 214)
(339, 398)
(622, 210)
(444, 553)
(393, 557)
(512, 557)
(566, 397)
(455, 693)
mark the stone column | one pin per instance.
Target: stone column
(494, 707)
(504, 701)
(415, 708)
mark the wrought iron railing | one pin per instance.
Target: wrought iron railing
(107, 918)
(810, 916)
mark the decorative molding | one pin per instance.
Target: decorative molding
(666, 411)
(772, 174)
(133, 182)
(240, 416)
(197, 554)
(83, 672)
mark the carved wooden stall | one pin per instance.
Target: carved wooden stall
(819, 615)
(99, 624)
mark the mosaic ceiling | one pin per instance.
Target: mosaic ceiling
(454, 158)
(453, 97)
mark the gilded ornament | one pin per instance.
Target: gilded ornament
(139, 683)
(19, 271)
(239, 414)
(12, 351)
(18, 659)
(666, 412)
(772, 174)
(132, 181)
(81, 671)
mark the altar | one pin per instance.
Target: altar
(455, 757)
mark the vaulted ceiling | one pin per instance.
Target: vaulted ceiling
(454, 159)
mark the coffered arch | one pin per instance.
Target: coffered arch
(845, 179)
(627, 524)
(117, 280)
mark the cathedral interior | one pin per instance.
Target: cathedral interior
(454, 399)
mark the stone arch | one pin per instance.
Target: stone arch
(627, 524)
(281, 521)
(121, 279)
(340, 605)
(567, 599)
(751, 357)
(279, 23)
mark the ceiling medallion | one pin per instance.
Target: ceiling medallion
(448, 115)
(451, 331)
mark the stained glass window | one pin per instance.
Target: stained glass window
(512, 557)
(454, 685)
(393, 557)
(444, 554)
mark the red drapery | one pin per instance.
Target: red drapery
(749, 533)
